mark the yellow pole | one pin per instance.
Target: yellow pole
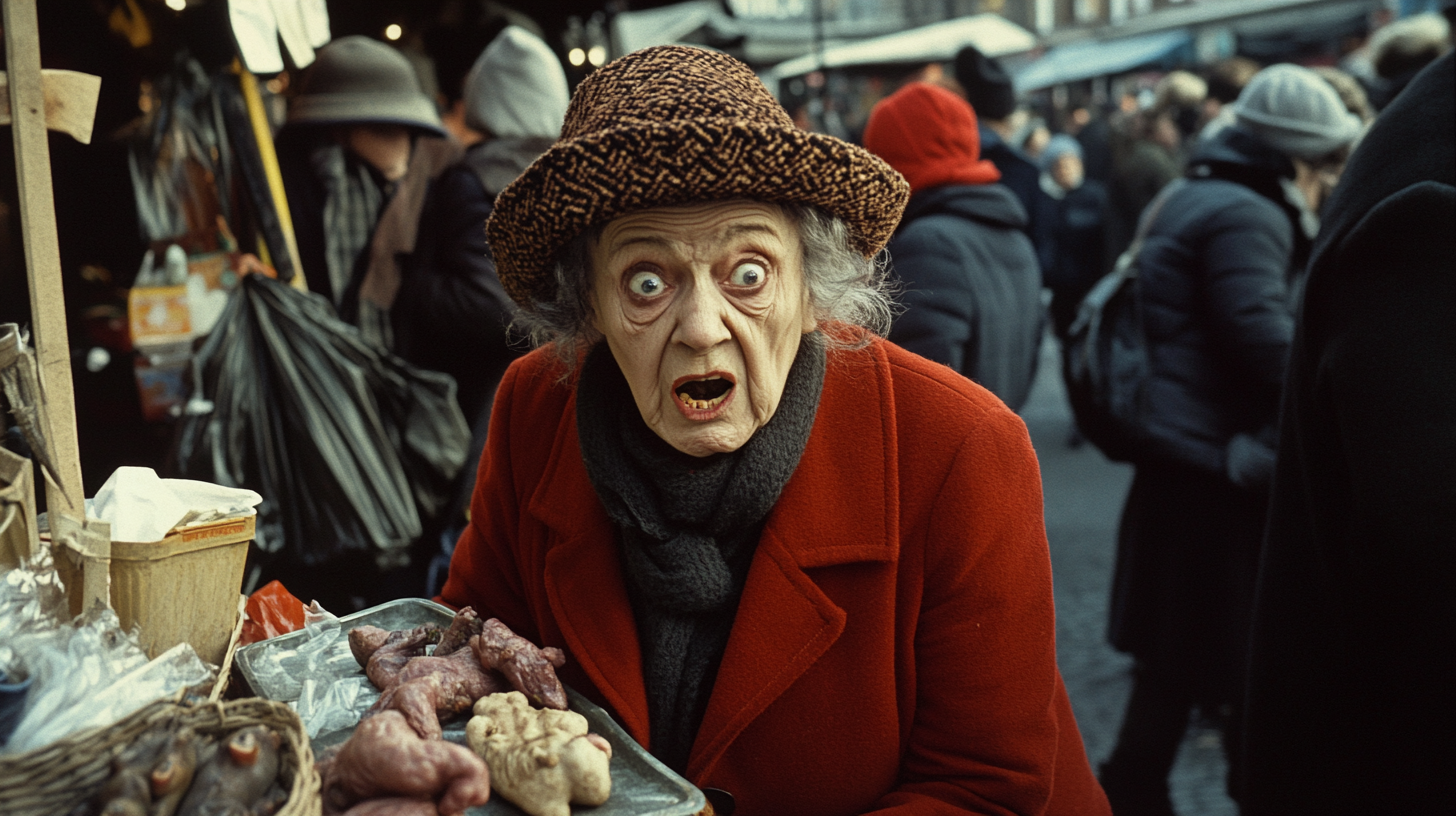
(263, 135)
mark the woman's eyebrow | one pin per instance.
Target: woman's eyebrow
(728, 233)
(752, 229)
(650, 240)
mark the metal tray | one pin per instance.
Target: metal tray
(641, 785)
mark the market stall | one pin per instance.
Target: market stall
(136, 676)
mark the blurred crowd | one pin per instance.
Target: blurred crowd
(1217, 187)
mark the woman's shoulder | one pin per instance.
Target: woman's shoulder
(537, 378)
(936, 430)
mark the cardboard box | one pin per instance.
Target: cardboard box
(184, 587)
(158, 314)
(161, 383)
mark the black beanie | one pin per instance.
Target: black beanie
(988, 87)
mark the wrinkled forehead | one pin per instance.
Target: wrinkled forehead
(697, 227)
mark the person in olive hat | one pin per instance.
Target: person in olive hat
(802, 566)
(389, 228)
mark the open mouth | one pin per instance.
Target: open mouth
(704, 394)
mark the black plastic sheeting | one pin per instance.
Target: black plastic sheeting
(351, 448)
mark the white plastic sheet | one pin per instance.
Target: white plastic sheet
(140, 506)
(86, 673)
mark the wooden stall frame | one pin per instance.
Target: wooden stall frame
(32, 100)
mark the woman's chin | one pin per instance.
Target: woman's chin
(705, 439)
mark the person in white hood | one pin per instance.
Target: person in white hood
(516, 94)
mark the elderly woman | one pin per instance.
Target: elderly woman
(803, 567)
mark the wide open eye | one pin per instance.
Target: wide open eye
(748, 274)
(646, 284)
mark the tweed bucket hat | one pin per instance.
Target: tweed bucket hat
(674, 125)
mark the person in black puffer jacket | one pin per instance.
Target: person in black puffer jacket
(1215, 275)
(971, 283)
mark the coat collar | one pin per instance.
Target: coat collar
(838, 508)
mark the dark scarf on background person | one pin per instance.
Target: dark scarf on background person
(370, 224)
(353, 194)
(689, 527)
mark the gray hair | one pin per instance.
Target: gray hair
(844, 286)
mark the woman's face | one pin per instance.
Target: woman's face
(703, 307)
(1067, 171)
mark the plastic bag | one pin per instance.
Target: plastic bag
(350, 447)
(85, 673)
(181, 159)
(271, 611)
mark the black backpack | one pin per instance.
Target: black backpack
(1105, 362)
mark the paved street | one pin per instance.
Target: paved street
(1084, 494)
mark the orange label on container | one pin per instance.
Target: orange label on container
(221, 531)
(158, 314)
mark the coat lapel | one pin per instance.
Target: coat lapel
(838, 508)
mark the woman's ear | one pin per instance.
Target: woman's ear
(810, 321)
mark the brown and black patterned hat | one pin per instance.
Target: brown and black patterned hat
(674, 125)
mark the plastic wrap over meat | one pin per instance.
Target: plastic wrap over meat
(314, 674)
(84, 673)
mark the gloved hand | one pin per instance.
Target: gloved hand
(1249, 462)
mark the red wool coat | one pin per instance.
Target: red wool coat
(893, 650)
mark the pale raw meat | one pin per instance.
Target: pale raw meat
(543, 760)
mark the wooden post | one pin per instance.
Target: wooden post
(47, 298)
(42, 252)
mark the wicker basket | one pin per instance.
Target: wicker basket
(52, 780)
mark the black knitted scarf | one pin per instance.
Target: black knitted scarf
(689, 526)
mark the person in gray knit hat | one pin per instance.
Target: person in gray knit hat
(1215, 274)
(1296, 112)
(805, 568)
(389, 230)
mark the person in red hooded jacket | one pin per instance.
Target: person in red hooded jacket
(970, 276)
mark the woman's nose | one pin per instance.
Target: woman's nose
(702, 317)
